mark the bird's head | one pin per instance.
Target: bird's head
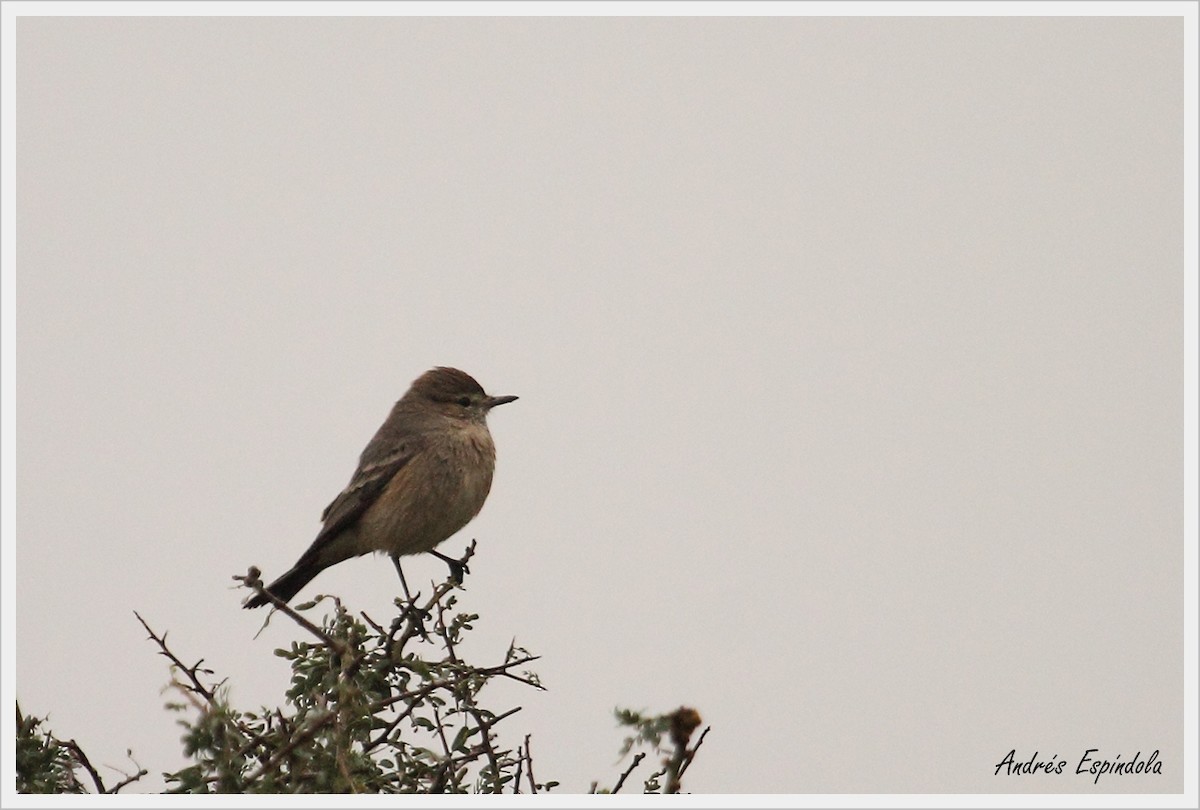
(454, 393)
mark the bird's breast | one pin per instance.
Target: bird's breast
(434, 495)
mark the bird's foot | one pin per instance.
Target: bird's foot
(417, 616)
(458, 568)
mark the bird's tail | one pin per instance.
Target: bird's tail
(289, 584)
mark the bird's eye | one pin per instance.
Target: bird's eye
(464, 401)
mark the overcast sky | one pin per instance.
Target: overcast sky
(849, 355)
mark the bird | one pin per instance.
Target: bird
(424, 475)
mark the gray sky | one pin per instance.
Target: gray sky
(849, 353)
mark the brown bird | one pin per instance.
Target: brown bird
(424, 476)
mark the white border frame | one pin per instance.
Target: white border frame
(11, 10)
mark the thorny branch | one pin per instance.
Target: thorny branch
(637, 760)
(520, 765)
(86, 763)
(529, 766)
(691, 754)
(197, 687)
(251, 579)
(87, 766)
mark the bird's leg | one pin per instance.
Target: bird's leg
(410, 606)
(457, 567)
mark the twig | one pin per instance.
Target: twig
(444, 633)
(529, 766)
(432, 686)
(198, 687)
(378, 628)
(414, 695)
(411, 627)
(83, 760)
(691, 754)
(86, 763)
(251, 580)
(340, 734)
(521, 679)
(351, 660)
(452, 766)
(637, 760)
(437, 718)
(129, 778)
(520, 763)
(302, 734)
(494, 721)
(485, 728)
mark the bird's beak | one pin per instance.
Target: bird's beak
(492, 402)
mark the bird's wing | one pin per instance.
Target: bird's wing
(376, 467)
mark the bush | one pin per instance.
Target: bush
(372, 708)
